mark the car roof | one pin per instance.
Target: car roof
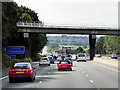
(23, 63)
(44, 57)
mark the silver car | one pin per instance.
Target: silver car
(81, 57)
(44, 61)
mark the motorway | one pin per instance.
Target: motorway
(84, 75)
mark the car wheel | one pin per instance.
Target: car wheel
(70, 69)
(34, 78)
(53, 62)
(85, 61)
(77, 61)
(10, 80)
(39, 64)
(31, 79)
(58, 69)
(48, 64)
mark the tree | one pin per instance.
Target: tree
(25, 17)
(99, 49)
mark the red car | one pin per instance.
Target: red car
(114, 57)
(64, 65)
(70, 60)
(22, 71)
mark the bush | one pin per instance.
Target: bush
(28, 60)
(6, 61)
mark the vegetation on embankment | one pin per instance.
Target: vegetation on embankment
(7, 62)
(109, 55)
(11, 14)
(108, 45)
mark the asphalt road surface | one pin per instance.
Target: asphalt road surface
(84, 75)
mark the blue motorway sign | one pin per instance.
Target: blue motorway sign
(13, 57)
(14, 49)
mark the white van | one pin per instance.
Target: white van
(81, 57)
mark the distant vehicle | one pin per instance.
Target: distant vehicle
(81, 57)
(70, 60)
(22, 71)
(51, 59)
(44, 61)
(98, 55)
(114, 56)
(64, 65)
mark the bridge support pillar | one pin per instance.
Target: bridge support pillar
(27, 42)
(92, 41)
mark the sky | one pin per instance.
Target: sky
(77, 12)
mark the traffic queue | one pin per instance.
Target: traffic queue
(24, 70)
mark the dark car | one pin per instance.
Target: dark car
(22, 71)
(51, 59)
(114, 56)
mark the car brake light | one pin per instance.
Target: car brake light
(12, 70)
(28, 70)
(48, 60)
(40, 60)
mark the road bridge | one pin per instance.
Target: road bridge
(92, 31)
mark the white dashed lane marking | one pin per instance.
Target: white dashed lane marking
(91, 81)
(40, 82)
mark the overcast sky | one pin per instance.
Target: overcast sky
(92, 12)
(81, 12)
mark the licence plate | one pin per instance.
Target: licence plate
(64, 65)
(44, 61)
(19, 72)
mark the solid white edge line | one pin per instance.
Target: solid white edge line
(106, 67)
(3, 77)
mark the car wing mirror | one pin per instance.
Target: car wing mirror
(34, 68)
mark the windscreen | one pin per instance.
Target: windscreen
(21, 66)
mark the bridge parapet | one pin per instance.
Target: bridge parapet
(48, 25)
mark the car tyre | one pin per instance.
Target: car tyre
(58, 69)
(70, 69)
(31, 79)
(10, 80)
(48, 64)
(39, 64)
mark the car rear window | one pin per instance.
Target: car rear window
(50, 57)
(21, 66)
(44, 59)
(81, 55)
(114, 55)
(64, 62)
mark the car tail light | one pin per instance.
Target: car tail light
(48, 60)
(12, 70)
(40, 60)
(28, 70)
(71, 61)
